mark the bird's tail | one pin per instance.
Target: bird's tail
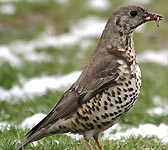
(23, 144)
(33, 137)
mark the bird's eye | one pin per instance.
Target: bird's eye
(133, 13)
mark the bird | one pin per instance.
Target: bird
(108, 86)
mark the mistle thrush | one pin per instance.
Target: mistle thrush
(108, 86)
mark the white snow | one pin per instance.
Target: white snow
(39, 86)
(74, 136)
(160, 57)
(98, 4)
(8, 9)
(7, 56)
(12, 53)
(145, 130)
(161, 108)
(89, 27)
(157, 111)
(86, 29)
(107, 133)
(32, 121)
(4, 125)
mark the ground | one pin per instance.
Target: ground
(44, 45)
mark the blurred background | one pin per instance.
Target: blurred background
(44, 45)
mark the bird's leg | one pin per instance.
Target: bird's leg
(89, 146)
(98, 144)
(97, 141)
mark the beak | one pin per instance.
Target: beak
(153, 17)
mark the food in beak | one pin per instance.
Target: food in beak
(154, 17)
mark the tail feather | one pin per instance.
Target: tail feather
(34, 137)
(23, 144)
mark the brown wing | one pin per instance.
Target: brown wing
(100, 73)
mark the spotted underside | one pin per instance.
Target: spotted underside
(104, 109)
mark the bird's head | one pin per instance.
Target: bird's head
(128, 17)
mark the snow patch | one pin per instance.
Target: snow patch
(7, 56)
(4, 125)
(74, 136)
(98, 4)
(17, 51)
(39, 86)
(8, 9)
(107, 133)
(89, 27)
(146, 130)
(86, 29)
(161, 108)
(33, 120)
(160, 57)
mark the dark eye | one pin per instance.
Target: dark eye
(133, 13)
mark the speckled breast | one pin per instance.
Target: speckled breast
(107, 107)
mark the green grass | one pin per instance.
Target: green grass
(9, 141)
(30, 20)
(8, 79)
